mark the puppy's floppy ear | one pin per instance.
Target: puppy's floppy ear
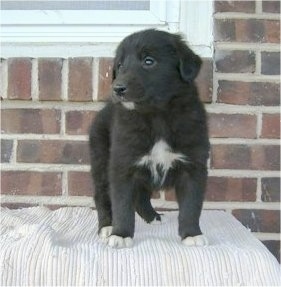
(113, 73)
(189, 63)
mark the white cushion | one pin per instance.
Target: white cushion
(44, 247)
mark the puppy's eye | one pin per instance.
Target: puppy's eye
(149, 62)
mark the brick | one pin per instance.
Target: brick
(19, 78)
(80, 184)
(155, 194)
(53, 151)
(105, 78)
(270, 189)
(253, 157)
(232, 126)
(50, 79)
(31, 183)
(274, 247)
(248, 93)
(6, 150)
(271, 6)
(247, 30)
(231, 189)
(235, 6)
(270, 126)
(78, 122)
(224, 30)
(204, 81)
(80, 86)
(272, 31)
(34, 121)
(170, 195)
(270, 63)
(259, 220)
(235, 61)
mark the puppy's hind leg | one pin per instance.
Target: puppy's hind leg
(144, 207)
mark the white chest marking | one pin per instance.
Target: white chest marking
(128, 105)
(160, 160)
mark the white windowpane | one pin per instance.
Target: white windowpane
(76, 5)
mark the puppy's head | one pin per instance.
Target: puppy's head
(151, 67)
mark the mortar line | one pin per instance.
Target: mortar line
(247, 77)
(64, 93)
(258, 63)
(49, 167)
(64, 183)
(259, 7)
(95, 78)
(267, 235)
(247, 46)
(46, 137)
(67, 106)
(62, 124)
(245, 16)
(242, 173)
(47, 200)
(259, 190)
(34, 80)
(240, 109)
(259, 124)
(64, 80)
(84, 138)
(215, 84)
(13, 159)
(97, 106)
(244, 141)
(4, 79)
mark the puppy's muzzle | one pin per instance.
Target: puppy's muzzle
(119, 90)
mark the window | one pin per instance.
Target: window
(95, 23)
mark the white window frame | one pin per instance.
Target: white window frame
(60, 28)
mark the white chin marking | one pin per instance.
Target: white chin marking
(128, 105)
(119, 242)
(198, 240)
(105, 232)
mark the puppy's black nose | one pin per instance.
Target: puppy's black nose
(119, 89)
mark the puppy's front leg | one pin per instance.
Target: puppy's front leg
(123, 215)
(190, 188)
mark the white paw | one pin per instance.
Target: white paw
(198, 240)
(119, 242)
(105, 232)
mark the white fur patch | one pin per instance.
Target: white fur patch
(105, 232)
(119, 242)
(198, 240)
(128, 105)
(161, 156)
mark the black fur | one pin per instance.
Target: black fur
(155, 70)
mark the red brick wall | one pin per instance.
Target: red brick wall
(48, 104)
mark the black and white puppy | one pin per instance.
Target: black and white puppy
(152, 135)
